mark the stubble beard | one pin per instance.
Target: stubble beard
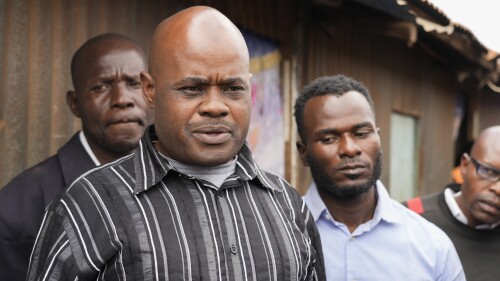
(343, 192)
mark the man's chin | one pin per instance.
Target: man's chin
(349, 190)
(347, 183)
(123, 146)
(213, 157)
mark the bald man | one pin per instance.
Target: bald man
(190, 203)
(471, 216)
(108, 100)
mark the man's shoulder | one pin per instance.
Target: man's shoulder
(284, 188)
(105, 175)
(420, 226)
(24, 198)
(276, 181)
(49, 174)
(423, 204)
(46, 173)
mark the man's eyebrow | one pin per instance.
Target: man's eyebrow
(333, 131)
(200, 80)
(489, 166)
(362, 125)
(132, 76)
(194, 80)
(233, 80)
(327, 131)
(105, 76)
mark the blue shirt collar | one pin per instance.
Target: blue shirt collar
(384, 210)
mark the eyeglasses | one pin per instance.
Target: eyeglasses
(485, 172)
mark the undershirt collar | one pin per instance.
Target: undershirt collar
(215, 175)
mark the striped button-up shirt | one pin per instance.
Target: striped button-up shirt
(138, 218)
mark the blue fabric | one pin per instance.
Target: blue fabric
(396, 244)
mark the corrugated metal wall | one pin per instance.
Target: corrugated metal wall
(400, 79)
(274, 19)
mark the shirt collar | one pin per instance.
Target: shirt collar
(449, 198)
(384, 210)
(151, 168)
(314, 202)
(86, 145)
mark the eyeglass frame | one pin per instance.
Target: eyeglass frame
(480, 165)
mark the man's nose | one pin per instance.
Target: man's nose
(495, 187)
(213, 103)
(348, 147)
(121, 97)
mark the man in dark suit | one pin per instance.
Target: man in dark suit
(108, 98)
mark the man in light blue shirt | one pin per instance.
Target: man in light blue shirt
(366, 235)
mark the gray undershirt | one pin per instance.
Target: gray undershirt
(215, 175)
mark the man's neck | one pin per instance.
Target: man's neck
(352, 212)
(103, 156)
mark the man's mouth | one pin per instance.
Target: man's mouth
(125, 121)
(355, 169)
(212, 134)
(490, 207)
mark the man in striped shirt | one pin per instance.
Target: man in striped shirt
(190, 203)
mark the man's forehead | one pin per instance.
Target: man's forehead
(129, 60)
(201, 31)
(339, 105)
(487, 148)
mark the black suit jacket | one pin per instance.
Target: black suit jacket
(23, 202)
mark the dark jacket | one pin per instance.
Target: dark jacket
(477, 248)
(23, 202)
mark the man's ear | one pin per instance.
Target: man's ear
(464, 161)
(302, 152)
(148, 89)
(72, 101)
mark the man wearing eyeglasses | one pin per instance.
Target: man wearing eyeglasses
(471, 216)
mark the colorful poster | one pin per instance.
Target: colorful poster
(266, 134)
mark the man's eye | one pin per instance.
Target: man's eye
(235, 88)
(99, 88)
(361, 134)
(234, 91)
(135, 83)
(488, 172)
(191, 90)
(329, 139)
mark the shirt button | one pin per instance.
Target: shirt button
(221, 194)
(352, 239)
(233, 249)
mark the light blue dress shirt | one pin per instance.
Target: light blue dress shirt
(397, 244)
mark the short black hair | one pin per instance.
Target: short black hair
(78, 59)
(327, 85)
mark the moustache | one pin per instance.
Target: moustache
(349, 162)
